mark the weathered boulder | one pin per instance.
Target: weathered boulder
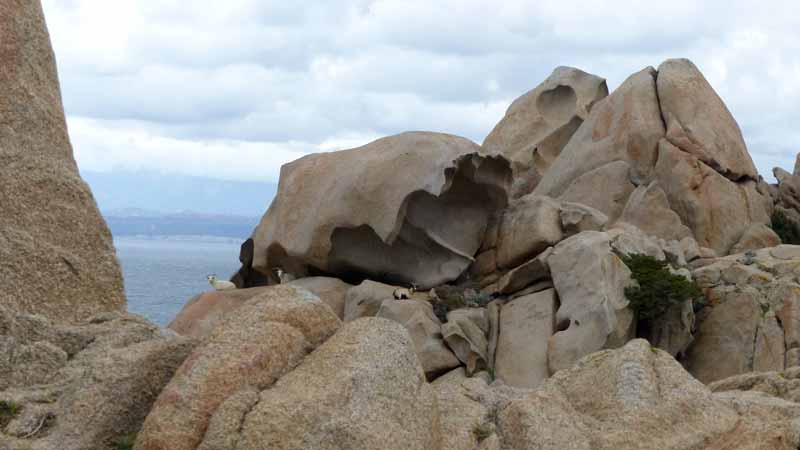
(410, 208)
(203, 312)
(366, 299)
(699, 123)
(722, 350)
(425, 330)
(628, 240)
(117, 365)
(539, 124)
(57, 253)
(673, 331)
(526, 274)
(529, 225)
(605, 188)
(759, 293)
(526, 324)
(756, 236)
(465, 333)
(577, 218)
(252, 347)
(637, 397)
(614, 148)
(363, 389)
(784, 385)
(787, 195)
(648, 210)
(590, 281)
(716, 209)
(463, 418)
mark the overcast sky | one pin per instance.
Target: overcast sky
(234, 89)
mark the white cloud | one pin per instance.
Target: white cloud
(249, 84)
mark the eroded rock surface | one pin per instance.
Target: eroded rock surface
(760, 294)
(699, 123)
(58, 258)
(99, 390)
(539, 124)
(252, 348)
(425, 330)
(622, 129)
(590, 280)
(363, 389)
(410, 208)
(637, 397)
(203, 312)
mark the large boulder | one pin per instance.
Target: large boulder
(203, 312)
(250, 349)
(410, 208)
(57, 253)
(539, 124)
(638, 397)
(759, 294)
(465, 333)
(365, 300)
(649, 210)
(425, 330)
(658, 161)
(699, 123)
(593, 314)
(363, 389)
(112, 370)
(529, 225)
(613, 149)
(526, 324)
(464, 419)
(716, 209)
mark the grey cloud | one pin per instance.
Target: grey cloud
(278, 72)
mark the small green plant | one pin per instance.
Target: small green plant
(483, 430)
(658, 289)
(125, 442)
(8, 411)
(785, 228)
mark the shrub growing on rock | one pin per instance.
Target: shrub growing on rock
(125, 442)
(785, 228)
(8, 411)
(450, 298)
(657, 288)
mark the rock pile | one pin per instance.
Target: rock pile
(83, 386)
(521, 333)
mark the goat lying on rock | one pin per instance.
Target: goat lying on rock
(220, 285)
(403, 293)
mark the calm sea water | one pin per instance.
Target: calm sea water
(163, 274)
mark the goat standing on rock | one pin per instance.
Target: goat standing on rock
(220, 285)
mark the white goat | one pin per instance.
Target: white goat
(403, 293)
(220, 285)
(283, 276)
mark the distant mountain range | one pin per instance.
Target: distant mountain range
(152, 204)
(139, 222)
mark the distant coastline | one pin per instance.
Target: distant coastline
(142, 224)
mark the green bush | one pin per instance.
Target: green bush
(124, 443)
(449, 298)
(785, 228)
(8, 411)
(658, 289)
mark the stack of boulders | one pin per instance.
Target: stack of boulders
(445, 295)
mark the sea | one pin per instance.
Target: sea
(162, 273)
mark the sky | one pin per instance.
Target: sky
(232, 90)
